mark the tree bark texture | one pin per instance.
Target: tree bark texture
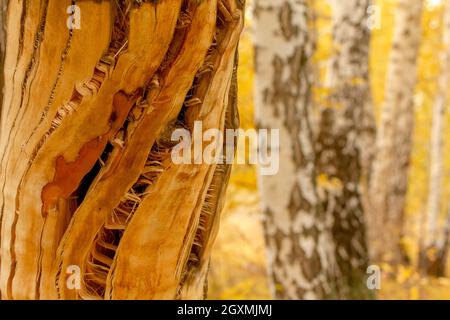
(394, 140)
(86, 173)
(433, 253)
(299, 245)
(342, 141)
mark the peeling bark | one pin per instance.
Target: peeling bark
(86, 176)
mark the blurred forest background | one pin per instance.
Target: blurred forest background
(239, 267)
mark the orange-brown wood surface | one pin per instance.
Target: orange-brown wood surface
(86, 176)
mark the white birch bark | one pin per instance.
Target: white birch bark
(435, 238)
(394, 139)
(437, 132)
(341, 141)
(299, 245)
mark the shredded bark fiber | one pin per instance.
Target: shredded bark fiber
(87, 178)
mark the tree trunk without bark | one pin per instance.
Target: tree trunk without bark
(86, 176)
(394, 140)
(2, 50)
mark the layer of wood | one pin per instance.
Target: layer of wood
(86, 174)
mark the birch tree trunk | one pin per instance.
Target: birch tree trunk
(88, 186)
(394, 140)
(299, 245)
(342, 141)
(431, 256)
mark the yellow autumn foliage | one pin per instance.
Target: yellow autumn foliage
(238, 268)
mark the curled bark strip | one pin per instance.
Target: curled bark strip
(195, 270)
(89, 117)
(125, 165)
(100, 257)
(145, 247)
(21, 236)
